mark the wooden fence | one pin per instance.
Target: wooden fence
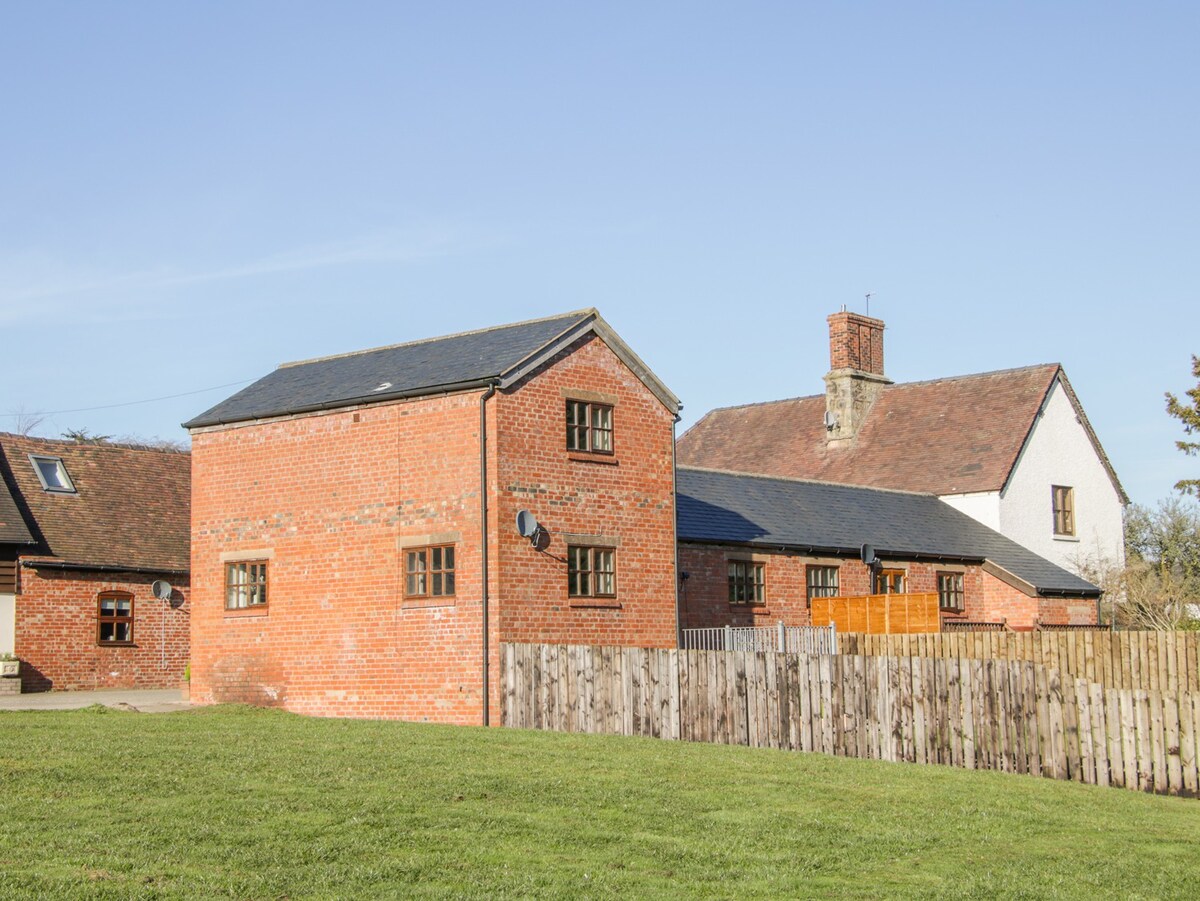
(1013, 716)
(879, 613)
(1154, 661)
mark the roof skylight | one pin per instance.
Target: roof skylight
(52, 474)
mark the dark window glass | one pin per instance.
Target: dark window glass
(822, 582)
(115, 618)
(747, 582)
(950, 591)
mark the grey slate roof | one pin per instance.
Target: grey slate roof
(729, 508)
(13, 529)
(463, 360)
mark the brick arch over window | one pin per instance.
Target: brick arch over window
(114, 618)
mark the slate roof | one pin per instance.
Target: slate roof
(131, 508)
(947, 436)
(465, 360)
(732, 508)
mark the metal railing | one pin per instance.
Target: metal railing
(958, 625)
(778, 639)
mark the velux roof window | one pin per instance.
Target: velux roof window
(52, 474)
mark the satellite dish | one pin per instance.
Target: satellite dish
(868, 555)
(527, 524)
(830, 421)
(162, 590)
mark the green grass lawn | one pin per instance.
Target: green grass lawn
(244, 803)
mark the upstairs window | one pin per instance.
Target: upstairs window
(591, 572)
(889, 581)
(429, 572)
(950, 592)
(52, 474)
(589, 427)
(822, 582)
(114, 619)
(245, 585)
(1064, 509)
(747, 582)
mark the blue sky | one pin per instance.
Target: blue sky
(193, 193)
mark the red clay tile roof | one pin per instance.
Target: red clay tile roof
(131, 506)
(948, 436)
(12, 525)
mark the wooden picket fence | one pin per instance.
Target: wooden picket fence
(1154, 661)
(1012, 716)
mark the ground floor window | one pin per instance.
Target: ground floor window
(950, 591)
(591, 572)
(747, 582)
(114, 619)
(245, 584)
(889, 581)
(822, 582)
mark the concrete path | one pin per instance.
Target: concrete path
(160, 700)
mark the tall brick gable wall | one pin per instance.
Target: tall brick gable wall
(625, 500)
(56, 636)
(331, 501)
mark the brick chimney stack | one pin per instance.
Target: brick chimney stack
(855, 374)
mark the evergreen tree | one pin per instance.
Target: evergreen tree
(1189, 415)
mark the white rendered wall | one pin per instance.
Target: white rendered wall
(8, 623)
(982, 505)
(1059, 452)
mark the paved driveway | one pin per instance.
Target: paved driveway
(161, 700)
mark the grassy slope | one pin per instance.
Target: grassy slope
(232, 802)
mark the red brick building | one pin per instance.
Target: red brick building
(85, 530)
(755, 551)
(354, 542)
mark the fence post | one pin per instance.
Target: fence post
(833, 647)
(728, 639)
(782, 636)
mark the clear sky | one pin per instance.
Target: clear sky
(192, 193)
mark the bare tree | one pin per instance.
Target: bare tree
(24, 421)
(1159, 587)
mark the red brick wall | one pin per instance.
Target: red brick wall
(56, 632)
(329, 500)
(333, 499)
(1067, 611)
(626, 498)
(856, 342)
(705, 595)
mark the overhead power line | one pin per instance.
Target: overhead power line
(128, 403)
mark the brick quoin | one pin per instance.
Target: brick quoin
(57, 639)
(331, 500)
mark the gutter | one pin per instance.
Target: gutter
(102, 567)
(449, 388)
(819, 551)
(483, 547)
